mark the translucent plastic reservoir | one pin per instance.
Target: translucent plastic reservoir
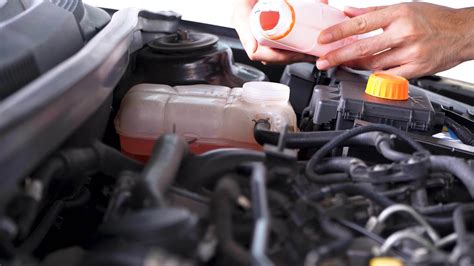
(208, 116)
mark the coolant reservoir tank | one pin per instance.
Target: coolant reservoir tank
(208, 116)
(295, 25)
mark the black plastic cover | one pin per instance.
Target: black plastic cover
(347, 102)
(193, 62)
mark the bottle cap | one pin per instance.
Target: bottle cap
(387, 86)
(265, 92)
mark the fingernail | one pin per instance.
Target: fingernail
(322, 64)
(325, 38)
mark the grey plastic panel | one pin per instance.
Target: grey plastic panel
(39, 34)
(42, 115)
(34, 42)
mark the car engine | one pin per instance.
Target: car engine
(347, 179)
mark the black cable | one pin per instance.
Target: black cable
(361, 230)
(339, 140)
(341, 238)
(464, 135)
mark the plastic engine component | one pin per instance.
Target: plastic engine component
(31, 31)
(187, 58)
(347, 102)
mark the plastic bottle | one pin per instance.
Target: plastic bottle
(295, 25)
(208, 116)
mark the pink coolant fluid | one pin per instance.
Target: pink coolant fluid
(295, 25)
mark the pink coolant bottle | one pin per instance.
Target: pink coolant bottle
(295, 25)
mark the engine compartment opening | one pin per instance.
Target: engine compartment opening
(210, 159)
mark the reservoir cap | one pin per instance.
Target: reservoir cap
(387, 86)
(262, 92)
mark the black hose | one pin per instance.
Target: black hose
(334, 170)
(438, 209)
(456, 166)
(304, 140)
(339, 140)
(385, 147)
(342, 239)
(39, 233)
(206, 169)
(336, 164)
(111, 162)
(261, 215)
(464, 135)
(351, 189)
(367, 192)
(161, 170)
(459, 220)
(223, 200)
(99, 157)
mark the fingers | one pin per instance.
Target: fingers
(385, 60)
(240, 20)
(354, 11)
(360, 49)
(368, 22)
(323, 1)
(407, 71)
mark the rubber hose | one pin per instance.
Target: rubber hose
(223, 200)
(456, 166)
(161, 170)
(337, 141)
(206, 169)
(304, 140)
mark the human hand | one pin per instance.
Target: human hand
(418, 39)
(256, 52)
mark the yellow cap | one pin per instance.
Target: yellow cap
(385, 261)
(386, 86)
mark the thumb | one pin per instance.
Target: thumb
(355, 11)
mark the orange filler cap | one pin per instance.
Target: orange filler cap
(387, 86)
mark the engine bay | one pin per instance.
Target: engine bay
(200, 157)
